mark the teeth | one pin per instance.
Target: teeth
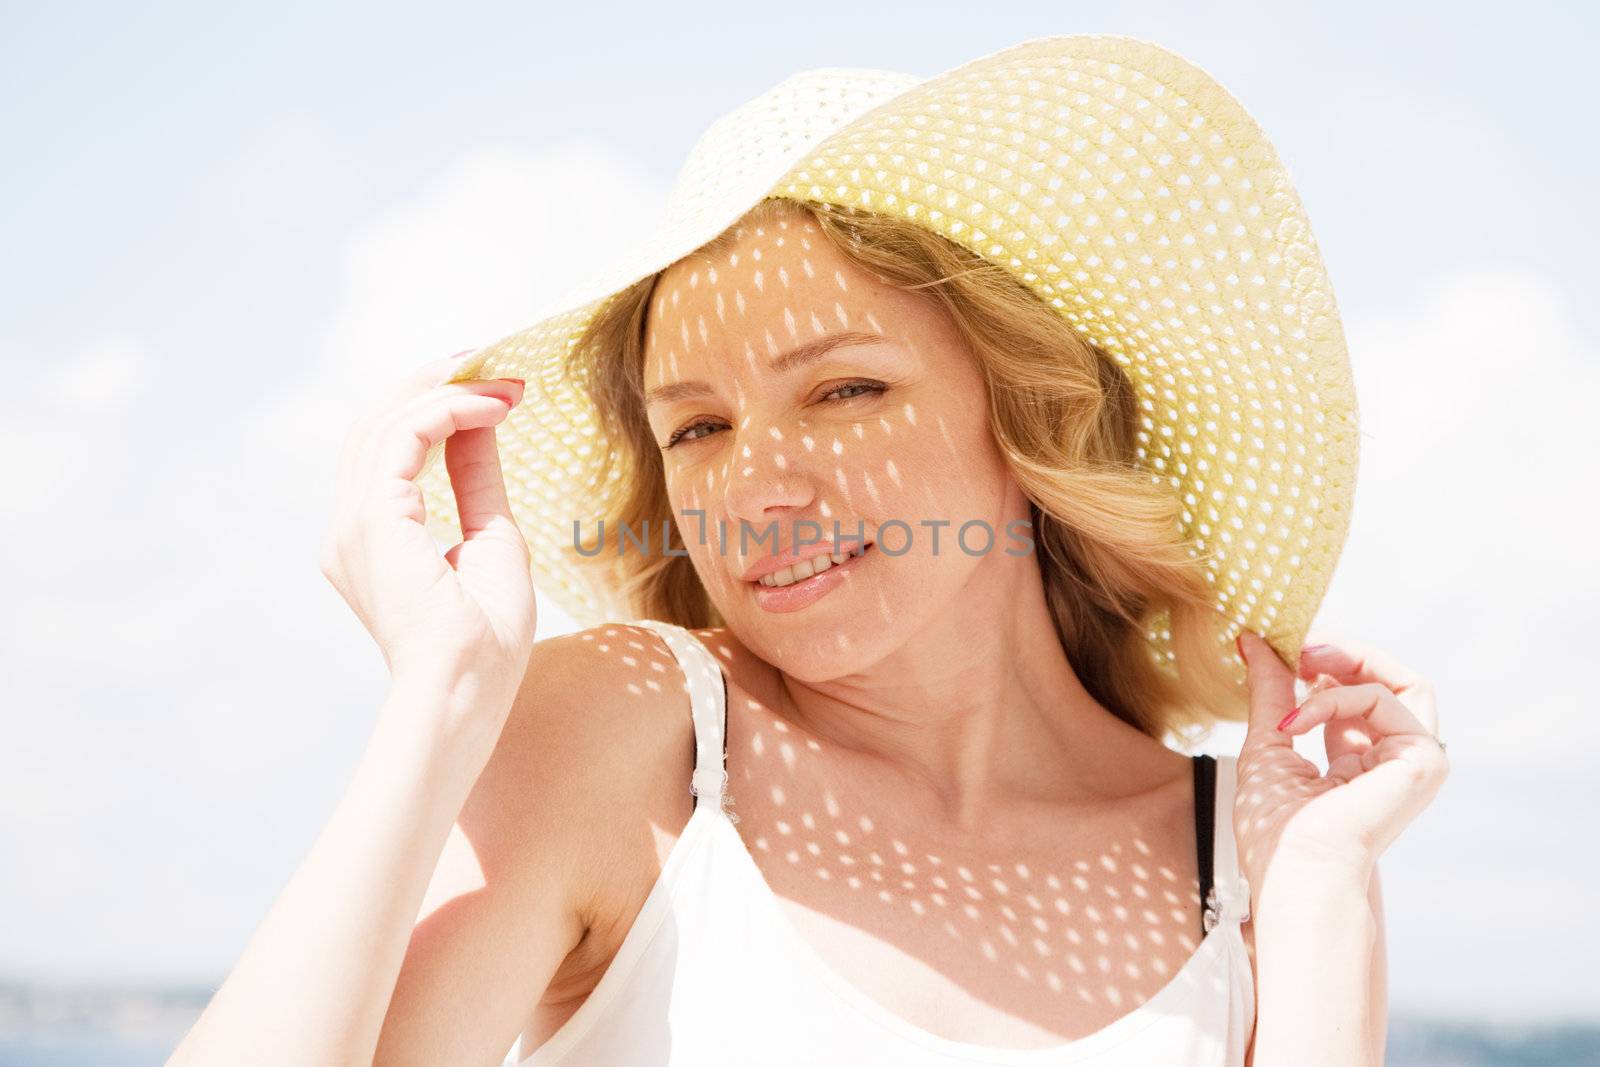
(807, 568)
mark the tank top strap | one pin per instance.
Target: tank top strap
(1231, 889)
(708, 705)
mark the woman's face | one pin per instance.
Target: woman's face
(805, 393)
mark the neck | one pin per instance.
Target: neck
(979, 709)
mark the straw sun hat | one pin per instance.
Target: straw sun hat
(1117, 181)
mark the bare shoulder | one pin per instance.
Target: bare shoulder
(598, 737)
(517, 919)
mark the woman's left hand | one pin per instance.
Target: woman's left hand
(1385, 762)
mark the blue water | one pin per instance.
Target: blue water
(104, 1051)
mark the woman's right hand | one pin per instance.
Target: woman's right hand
(462, 622)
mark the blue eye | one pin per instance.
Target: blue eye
(868, 387)
(678, 435)
(872, 388)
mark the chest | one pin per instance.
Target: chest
(1045, 927)
(1043, 931)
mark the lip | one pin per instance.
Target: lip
(808, 591)
(773, 564)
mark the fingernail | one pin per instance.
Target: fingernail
(1283, 724)
(1314, 649)
(516, 381)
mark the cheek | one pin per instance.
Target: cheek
(944, 465)
(699, 490)
(696, 487)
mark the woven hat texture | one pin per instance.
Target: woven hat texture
(1120, 183)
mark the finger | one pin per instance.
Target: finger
(349, 460)
(1383, 712)
(357, 475)
(1352, 662)
(1271, 690)
(356, 452)
(1340, 738)
(472, 458)
(350, 489)
(1346, 767)
(378, 463)
(1417, 751)
(1399, 777)
(405, 414)
(399, 454)
(1347, 737)
(427, 376)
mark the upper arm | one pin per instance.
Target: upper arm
(515, 885)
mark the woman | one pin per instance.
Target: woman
(960, 835)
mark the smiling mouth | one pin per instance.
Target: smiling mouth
(810, 568)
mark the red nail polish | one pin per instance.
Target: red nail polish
(516, 381)
(1287, 719)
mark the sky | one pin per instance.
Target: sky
(226, 228)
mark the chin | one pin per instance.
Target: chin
(833, 640)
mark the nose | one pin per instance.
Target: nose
(771, 485)
(770, 477)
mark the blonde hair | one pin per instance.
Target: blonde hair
(1114, 563)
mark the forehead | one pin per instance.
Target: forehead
(755, 258)
(775, 284)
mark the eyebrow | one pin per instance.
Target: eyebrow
(795, 357)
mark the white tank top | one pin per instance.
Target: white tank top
(712, 972)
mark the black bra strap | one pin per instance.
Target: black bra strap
(1205, 803)
(724, 720)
